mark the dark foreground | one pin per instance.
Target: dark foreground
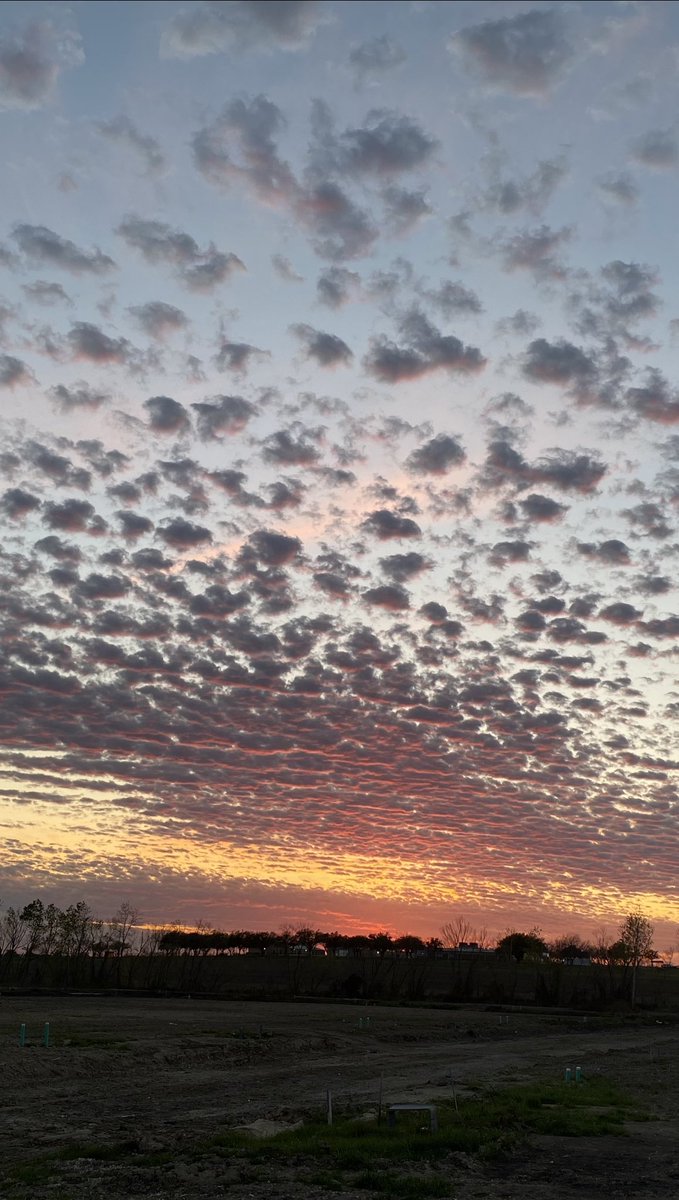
(132, 1097)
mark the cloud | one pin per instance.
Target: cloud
(386, 525)
(389, 596)
(387, 144)
(200, 270)
(274, 549)
(340, 229)
(437, 456)
(158, 318)
(525, 54)
(291, 447)
(122, 130)
(404, 208)
(619, 188)
(401, 567)
(89, 342)
(326, 349)
(183, 534)
(71, 516)
(80, 395)
(14, 372)
(247, 128)
(611, 551)
(375, 56)
(167, 415)
(236, 356)
(31, 63)
(42, 245)
(558, 362)
(659, 148)
(16, 503)
(568, 470)
(215, 27)
(655, 400)
(620, 613)
(536, 251)
(453, 299)
(542, 508)
(424, 349)
(44, 292)
(240, 146)
(285, 270)
(223, 414)
(336, 286)
(533, 192)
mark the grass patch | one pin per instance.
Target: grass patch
(41, 1170)
(364, 1155)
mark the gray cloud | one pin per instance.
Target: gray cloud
(184, 534)
(389, 596)
(401, 567)
(42, 245)
(14, 372)
(291, 448)
(424, 349)
(215, 27)
(80, 395)
(326, 349)
(536, 251)
(612, 551)
(17, 502)
(437, 456)
(223, 414)
(453, 299)
(167, 415)
(526, 54)
(542, 508)
(659, 148)
(375, 56)
(510, 196)
(44, 292)
(284, 268)
(567, 470)
(336, 286)
(655, 400)
(404, 208)
(31, 62)
(158, 318)
(89, 342)
(236, 356)
(558, 362)
(387, 144)
(619, 188)
(386, 525)
(122, 131)
(200, 270)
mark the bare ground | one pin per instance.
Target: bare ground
(167, 1075)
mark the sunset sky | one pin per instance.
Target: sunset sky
(340, 462)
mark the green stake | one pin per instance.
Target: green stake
(46, 1034)
(22, 1034)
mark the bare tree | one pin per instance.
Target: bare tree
(636, 935)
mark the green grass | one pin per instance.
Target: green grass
(408, 1161)
(496, 1122)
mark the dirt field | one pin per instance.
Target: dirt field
(163, 1076)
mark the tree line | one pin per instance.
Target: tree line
(75, 932)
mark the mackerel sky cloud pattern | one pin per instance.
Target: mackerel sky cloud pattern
(339, 468)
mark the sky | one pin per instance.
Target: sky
(340, 462)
